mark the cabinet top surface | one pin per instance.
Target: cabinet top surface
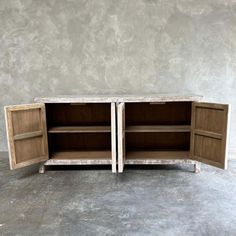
(95, 98)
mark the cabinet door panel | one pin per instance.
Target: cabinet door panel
(209, 133)
(121, 136)
(27, 134)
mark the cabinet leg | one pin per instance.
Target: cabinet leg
(197, 167)
(42, 169)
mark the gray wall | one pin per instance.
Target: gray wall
(50, 47)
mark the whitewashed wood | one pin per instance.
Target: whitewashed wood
(197, 167)
(159, 162)
(42, 169)
(156, 157)
(117, 98)
(10, 142)
(77, 162)
(80, 158)
(113, 136)
(121, 135)
(227, 136)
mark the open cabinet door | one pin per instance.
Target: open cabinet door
(209, 133)
(27, 134)
(121, 136)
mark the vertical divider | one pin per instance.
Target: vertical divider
(113, 136)
(192, 131)
(121, 136)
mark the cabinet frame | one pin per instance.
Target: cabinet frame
(200, 138)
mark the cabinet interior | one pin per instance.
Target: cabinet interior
(79, 131)
(157, 130)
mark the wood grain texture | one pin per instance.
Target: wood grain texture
(27, 134)
(209, 134)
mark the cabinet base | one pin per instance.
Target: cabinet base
(197, 165)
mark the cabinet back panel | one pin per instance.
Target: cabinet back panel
(78, 114)
(84, 141)
(157, 141)
(170, 113)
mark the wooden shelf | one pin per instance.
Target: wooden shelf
(80, 129)
(80, 158)
(158, 128)
(157, 157)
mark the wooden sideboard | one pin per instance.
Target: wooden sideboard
(117, 130)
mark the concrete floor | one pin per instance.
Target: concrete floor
(148, 201)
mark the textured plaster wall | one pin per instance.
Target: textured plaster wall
(50, 47)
